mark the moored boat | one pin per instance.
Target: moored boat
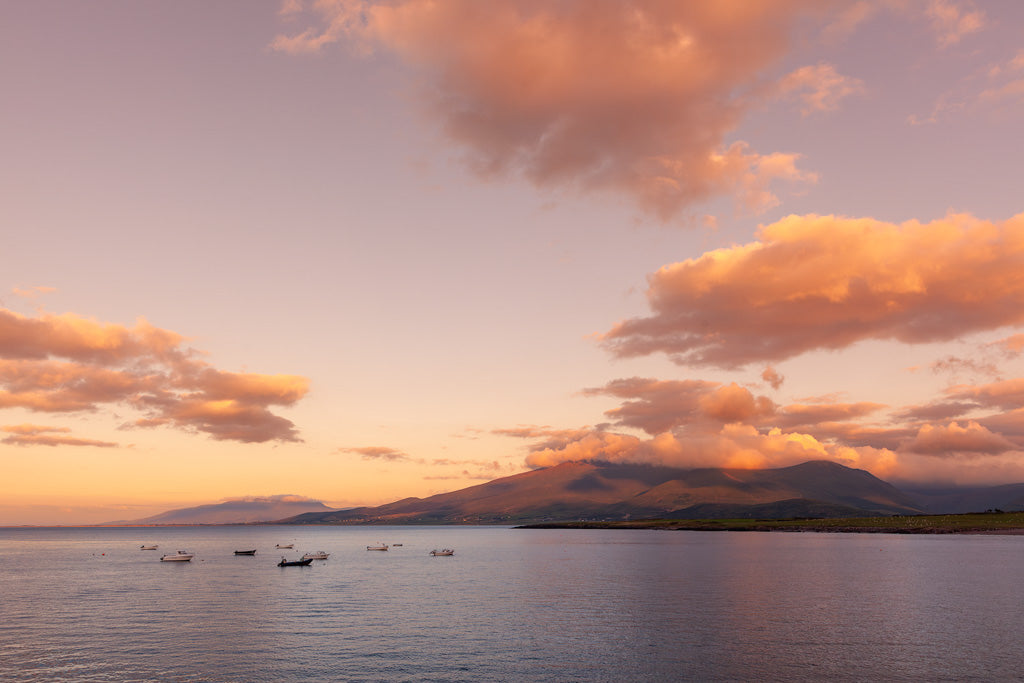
(149, 547)
(287, 546)
(382, 546)
(294, 563)
(318, 555)
(245, 552)
(444, 552)
(180, 556)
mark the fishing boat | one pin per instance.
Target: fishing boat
(318, 555)
(295, 563)
(289, 546)
(382, 546)
(180, 556)
(245, 552)
(149, 547)
(444, 552)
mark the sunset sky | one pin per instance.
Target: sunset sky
(358, 251)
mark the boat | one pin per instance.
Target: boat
(304, 562)
(382, 546)
(149, 547)
(318, 555)
(180, 556)
(285, 547)
(396, 545)
(245, 552)
(444, 552)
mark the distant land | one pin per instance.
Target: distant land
(243, 511)
(605, 492)
(599, 491)
(967, 523)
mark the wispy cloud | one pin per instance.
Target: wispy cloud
(952, 21)
(37, 435)
(377, 453)
(819, 88)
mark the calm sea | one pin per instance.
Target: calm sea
(523, 605)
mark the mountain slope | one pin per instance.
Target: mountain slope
(236, 511)
(592, 490)
(1008, 497)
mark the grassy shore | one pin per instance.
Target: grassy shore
(975, 523)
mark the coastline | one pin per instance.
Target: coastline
(985, 523)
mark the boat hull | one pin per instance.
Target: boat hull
(294, 563)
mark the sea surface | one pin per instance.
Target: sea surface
(511, 604)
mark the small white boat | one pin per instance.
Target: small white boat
(318, 555)
(284, 547)
(180, 556)
(444, 552)
(149, 547)
(382, 546)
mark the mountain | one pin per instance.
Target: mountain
(604, 491)
(1008, 497)
(248, 510)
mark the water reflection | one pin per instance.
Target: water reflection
(531, 605)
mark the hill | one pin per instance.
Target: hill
(604, 491)
(248, 510)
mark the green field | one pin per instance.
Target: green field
(975, 523)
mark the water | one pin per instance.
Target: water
(524, 605)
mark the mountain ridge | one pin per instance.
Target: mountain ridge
(606, 491)
(241, 511)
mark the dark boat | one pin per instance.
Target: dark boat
(245, 552)
(294, 563)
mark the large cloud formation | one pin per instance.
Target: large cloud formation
(67, 363)
(826, 282)
(972, 436)
(636, 97)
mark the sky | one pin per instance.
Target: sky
(358, 251)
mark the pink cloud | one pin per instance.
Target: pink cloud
(826, 282)
(819, 88)
(951, 20)
(773, 378)
(953, 439)
(377, 453)
(32, 292)
(36, 435)
(67, 363)
(633, 97)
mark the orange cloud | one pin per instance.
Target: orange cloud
(819, 88)
(953, 439)
(1006, 394)
(68, 363)
(951, 21)
(32, 292)
(36, 435)
(377, 453)
(826, 282)
(695, 423)
(634, 97)
(773, 378)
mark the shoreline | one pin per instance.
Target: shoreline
(976, 523)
